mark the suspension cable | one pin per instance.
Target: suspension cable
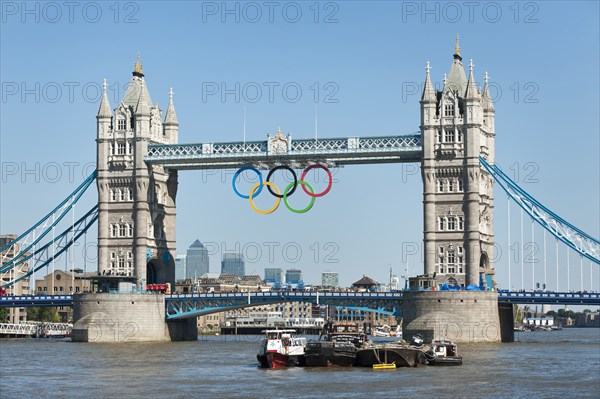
(509, 243)
(53, 257)
(545, 256)
(581, 272)
(591, 278)
(568, 272)
(521, 254)
(533, 256)
(556, 256)
(73, 250)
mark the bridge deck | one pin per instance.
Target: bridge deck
(238, 298)
(283, 150)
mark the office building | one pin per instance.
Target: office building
(293, 276)
(273, 275)
(196, 261)
(233, 264)
(330, 279)
(180, 267)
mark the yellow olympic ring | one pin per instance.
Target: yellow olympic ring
(267, 183)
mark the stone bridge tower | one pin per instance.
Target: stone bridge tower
(136, 224)
(457, 127)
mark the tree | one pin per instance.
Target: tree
(47, 314)
(3, 315)
(551, 313)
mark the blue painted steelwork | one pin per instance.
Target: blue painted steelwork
(63, 242)
(179, 306)
(551, 298)
(586, 245)
(36, 300)
(67, 204)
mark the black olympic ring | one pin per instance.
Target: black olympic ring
(293, 174)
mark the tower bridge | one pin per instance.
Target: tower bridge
(139, 156)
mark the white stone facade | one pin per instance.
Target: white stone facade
(457, 127)
(136, 225)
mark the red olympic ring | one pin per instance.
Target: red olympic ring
(322, 193)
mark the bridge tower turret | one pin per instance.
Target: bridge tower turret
(457, 127)
(136, 228)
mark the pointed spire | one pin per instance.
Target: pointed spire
(171, 116)
(457, 49)
(487, 99)
(137, 69)
(428, 92)
(457, 79)
(104, 111)
(471, 91)
(142, 108)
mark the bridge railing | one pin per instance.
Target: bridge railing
(279, 294)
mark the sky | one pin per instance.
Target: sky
(359, 66)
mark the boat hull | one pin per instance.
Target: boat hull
(402, 357)
(278, 360)
(318, 355)
(445, 361)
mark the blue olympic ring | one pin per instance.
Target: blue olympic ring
(240, 170)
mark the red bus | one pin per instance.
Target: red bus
(164, 288)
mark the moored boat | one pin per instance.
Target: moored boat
(337, 346)
(443, 353)
(281, 348)
(400, 353)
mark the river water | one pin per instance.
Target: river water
(556, 364)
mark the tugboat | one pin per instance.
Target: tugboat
(443, 353)
(400, 353)
(281, 348)
(337, 346)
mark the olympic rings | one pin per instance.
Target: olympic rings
(286, 194)
(237, 173)
(328, 174)
(295, 183)
(251, 196)
(289, 190)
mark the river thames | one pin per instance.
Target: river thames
(556, 364)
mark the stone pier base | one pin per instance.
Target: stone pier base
(461, 316)
(127, 318)
(507, 322)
